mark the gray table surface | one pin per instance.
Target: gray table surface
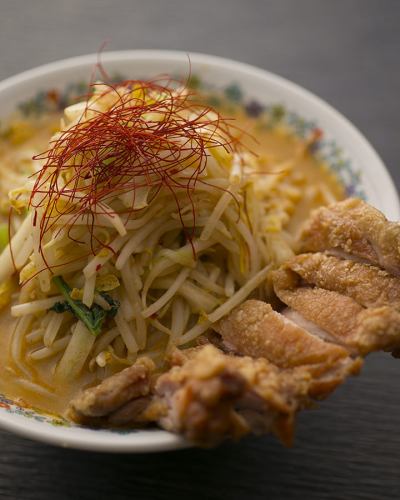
(346, 51)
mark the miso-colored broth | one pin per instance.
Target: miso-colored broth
(276, 147)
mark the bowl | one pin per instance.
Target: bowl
(343, 148)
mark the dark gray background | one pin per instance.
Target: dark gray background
(346, 51)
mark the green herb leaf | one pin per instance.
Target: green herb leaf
(114, 304)
(60, 307)
(94, 317)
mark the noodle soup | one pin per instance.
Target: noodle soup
(111, 271)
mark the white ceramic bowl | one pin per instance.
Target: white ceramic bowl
(343, 147)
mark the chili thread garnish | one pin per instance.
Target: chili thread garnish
(152, 136)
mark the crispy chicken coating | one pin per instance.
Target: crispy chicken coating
(213, 395)
(368, 285)
(256, 330)
(354, 228)
(359, 329)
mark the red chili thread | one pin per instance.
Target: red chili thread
(122, 149)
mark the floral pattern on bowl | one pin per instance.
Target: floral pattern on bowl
(21, 408)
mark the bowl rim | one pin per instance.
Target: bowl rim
(90, 439)
(168, 441)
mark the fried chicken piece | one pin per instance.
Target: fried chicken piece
(255, 329)
(362, 330)
(213, 396)
(208, 396)
(355, 228)
(113, 393)
(368, 285)
(333, 292)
